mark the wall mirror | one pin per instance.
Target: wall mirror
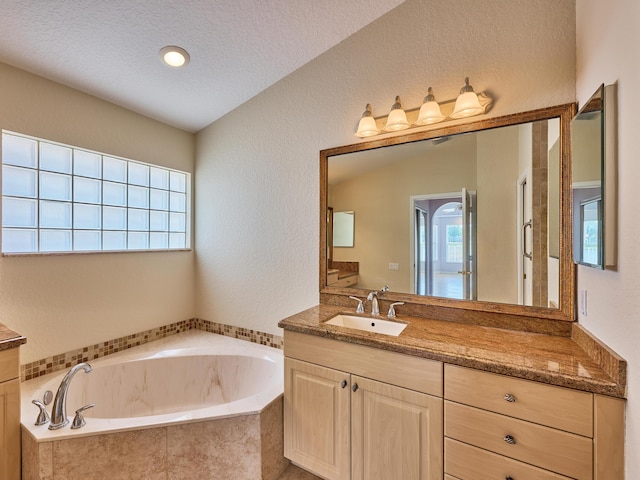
(593, 180)
(474, 216)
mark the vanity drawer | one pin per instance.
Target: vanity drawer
(556, 407)
(332, 277)
(551, 449)
(466, 462)
(346, 281)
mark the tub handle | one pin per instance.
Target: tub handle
(43, 415)
(78, 420)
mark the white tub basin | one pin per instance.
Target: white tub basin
(368, 324)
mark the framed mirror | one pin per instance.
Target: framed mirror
(593, 180)
(473, 216)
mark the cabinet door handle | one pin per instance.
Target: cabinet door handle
(508, 478)
(343, 384)
(509, 439)
(510, 398)
(354, 387)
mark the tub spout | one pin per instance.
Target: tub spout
(59, 410)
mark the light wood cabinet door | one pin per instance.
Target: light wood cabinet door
(10, 430)
(395, 432)
(317, 419)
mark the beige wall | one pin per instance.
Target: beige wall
(497, 223)
(257, 167)
(64, 302)
(605, 32)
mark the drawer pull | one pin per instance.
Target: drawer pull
(509, 439)
(508, 478)
(510, 398)
(343, 384)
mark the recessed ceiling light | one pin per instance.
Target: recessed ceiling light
(173, 56)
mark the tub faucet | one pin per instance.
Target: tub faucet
(59, 410)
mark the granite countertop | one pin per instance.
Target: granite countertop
(10, 339)
(543, 358)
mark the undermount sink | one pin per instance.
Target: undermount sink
(368, 324)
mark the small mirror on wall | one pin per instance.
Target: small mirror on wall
(343, 227)
(594, 181)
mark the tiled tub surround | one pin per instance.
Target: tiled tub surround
(66, 360)
(579, 362)
(145, 426)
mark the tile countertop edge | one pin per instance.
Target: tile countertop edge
(10, 339)
(311, 322)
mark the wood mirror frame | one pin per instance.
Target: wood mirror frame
(472, 311)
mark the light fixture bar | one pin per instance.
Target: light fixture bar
(412, 115)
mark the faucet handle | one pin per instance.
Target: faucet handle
(360, 307)
(78, 420)
(392, 310)
(43, 415)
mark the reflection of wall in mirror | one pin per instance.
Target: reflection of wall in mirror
(553, 265)
(586, 151)
(497, 179)
(381, 198)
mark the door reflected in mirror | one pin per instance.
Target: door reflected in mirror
(469, 216)
(590, 231)
(343, 229)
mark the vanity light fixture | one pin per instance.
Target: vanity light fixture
(430, 110)
(467, 104)
(174, 57)
(367, 126)
(397, 119)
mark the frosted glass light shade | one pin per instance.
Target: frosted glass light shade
(397, 119)
(367, 126)
(467, 105)
(429, 111)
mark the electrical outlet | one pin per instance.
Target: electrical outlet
(582, 302)
(394, 266)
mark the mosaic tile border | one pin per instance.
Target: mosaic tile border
(66, 360)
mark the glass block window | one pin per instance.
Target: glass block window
(59, 198)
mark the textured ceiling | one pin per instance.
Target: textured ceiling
(238, 48)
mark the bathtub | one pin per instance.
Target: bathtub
(174, 390)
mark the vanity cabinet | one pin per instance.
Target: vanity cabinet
(502, 427)
(9, 415)
(354, 415)
(317, 418)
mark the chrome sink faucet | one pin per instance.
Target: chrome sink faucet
(59, 410)
(373, 298)
(375, 306)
